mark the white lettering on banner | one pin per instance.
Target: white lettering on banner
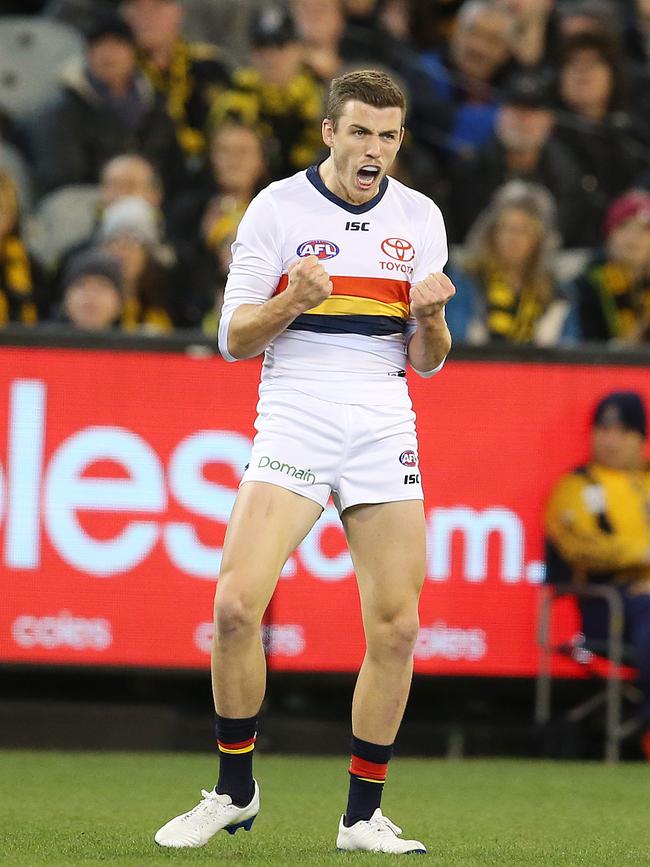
(476, 527)
(311, 552)
(66, 492)
(286, 639)
(24, 470)
(452, 643)
(201, 496)
(62, 630)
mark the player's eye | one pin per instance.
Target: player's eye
(359, 133)
(389, 135)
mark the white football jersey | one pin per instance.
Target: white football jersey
(352, 347)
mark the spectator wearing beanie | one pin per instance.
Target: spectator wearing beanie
(612, 295)
(104, 107)
(92, 292)
(130, 231)
(277, 94)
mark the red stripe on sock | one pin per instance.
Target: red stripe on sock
(237, 746)
(368, 770)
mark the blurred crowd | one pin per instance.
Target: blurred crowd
(133, 135)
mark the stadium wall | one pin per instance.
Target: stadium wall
(119, 462)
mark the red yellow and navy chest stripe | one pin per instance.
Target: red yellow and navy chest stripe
(358, 305)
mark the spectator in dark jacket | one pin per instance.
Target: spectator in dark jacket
(105, 107)
(467, 75)
(612, 295)
(523, 147)
(604, 137)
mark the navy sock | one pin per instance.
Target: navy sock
(236, 742)
(368, 768)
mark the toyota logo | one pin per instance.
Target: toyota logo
(398, 248)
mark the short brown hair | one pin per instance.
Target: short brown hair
(369, 86)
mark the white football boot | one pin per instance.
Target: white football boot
(213, 813)
(378, 834)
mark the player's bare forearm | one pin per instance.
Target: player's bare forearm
(430, 344)
(432, 341)
(254, 326)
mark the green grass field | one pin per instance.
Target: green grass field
(102, 809)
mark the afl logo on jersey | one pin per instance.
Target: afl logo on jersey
(398, 248)
(408, 458)
(322, 249)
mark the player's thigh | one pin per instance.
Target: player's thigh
(387, 543)
(267, 523)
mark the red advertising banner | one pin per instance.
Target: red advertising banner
(118, 471)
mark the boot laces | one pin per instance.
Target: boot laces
(208, 801)
(384, 825)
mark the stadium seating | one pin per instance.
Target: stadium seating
(32, 50)
(63, 218)
(12, 162)
(609, 664)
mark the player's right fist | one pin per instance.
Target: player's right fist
(309, 283)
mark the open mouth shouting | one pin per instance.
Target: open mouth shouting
(367, 176)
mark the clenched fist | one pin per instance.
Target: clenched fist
(430, 295)
(309, 283)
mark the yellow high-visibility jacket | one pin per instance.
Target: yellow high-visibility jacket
(597, 521)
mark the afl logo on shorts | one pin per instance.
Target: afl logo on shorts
(398, 248)
(322, 249)
(408, 458)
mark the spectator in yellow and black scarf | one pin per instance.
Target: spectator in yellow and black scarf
(202, 224)
(612, 295)
(188, 74)
(16, 269)
(505, 288)
(277, 95)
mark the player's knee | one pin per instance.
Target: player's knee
(394, 637)
(233, 618)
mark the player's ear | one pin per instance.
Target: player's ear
(328, 132)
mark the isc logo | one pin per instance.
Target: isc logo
(322, 249)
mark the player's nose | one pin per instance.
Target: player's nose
(373, 148)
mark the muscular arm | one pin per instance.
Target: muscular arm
(430, 344)
(253, 326)
(431, 341)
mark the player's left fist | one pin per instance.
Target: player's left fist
(430, 295)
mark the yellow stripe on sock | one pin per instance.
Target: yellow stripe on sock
(237, 752)
(366, 780)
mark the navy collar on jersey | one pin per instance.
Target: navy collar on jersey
(313, 176)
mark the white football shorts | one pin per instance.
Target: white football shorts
(359, 454)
